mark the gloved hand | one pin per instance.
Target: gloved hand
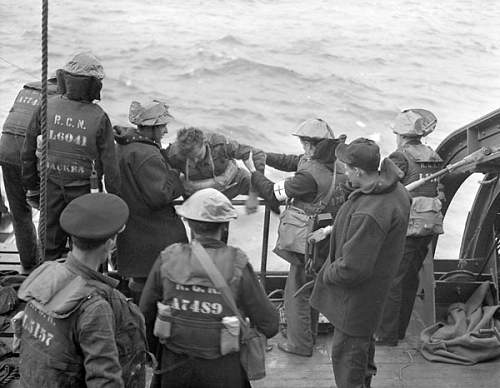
(33, 198)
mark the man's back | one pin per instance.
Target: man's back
(71, 328)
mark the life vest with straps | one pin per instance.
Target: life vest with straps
(196, 306)
(422, 162)
(323, 177)
(50, 353)
(73, 127)
(425, 212)
(27, 102)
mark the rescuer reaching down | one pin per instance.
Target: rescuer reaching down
(149, 187)
(313, 196)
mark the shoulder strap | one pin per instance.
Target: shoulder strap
(215, 276)
(331, 190)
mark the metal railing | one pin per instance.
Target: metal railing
(265, 236)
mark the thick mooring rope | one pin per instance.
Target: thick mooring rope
(42, 224)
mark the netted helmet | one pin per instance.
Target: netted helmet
(314, 128)
(208, 205)
(149, 114)
(85, 63)
(414, 122)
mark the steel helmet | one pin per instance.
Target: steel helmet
(208, 205)
(314, 128)
(85, 63)
(414, 122)
(152, 113)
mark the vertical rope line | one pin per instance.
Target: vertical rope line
(42, 224)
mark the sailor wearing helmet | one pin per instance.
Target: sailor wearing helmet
(80, 145)
(149, 187)
(416, 160)
(195, 352)
(316, 193)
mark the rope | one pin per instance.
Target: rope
(42, 224)
(17, 67)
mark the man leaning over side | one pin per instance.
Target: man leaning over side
(367, 244)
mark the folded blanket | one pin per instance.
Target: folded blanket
(470, 335)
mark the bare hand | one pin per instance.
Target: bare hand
(317, 235)
(252, 202)
(249, 163)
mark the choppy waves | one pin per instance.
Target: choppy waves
(260, 67)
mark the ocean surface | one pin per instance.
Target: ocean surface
(254, 69)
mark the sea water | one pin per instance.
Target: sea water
(254, 69)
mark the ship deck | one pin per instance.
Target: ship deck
(398, 367)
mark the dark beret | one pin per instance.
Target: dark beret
(94, 216)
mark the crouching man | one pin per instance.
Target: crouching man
(192, 311)
(77, 329)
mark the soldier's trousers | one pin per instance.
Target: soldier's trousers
(301, 318)
(353, 360)
(401, 298)
(22, 216)
(58, 197)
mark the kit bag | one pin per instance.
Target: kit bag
(425, 217)
(294, 227)
(295, 224)
(252, 343)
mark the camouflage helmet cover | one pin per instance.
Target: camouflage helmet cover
(85, 63)
(414, 122)
(314, 128)
(152, 113)
(208, 205)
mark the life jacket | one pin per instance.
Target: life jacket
(323, 178)
(73, 128)
(422, 161)
(27, 102)
(197, 308)
(425, 212)
(50, 355)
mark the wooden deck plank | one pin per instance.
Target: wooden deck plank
(398, 367)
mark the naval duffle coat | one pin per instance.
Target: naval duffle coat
(149, 187)
(367, 244)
